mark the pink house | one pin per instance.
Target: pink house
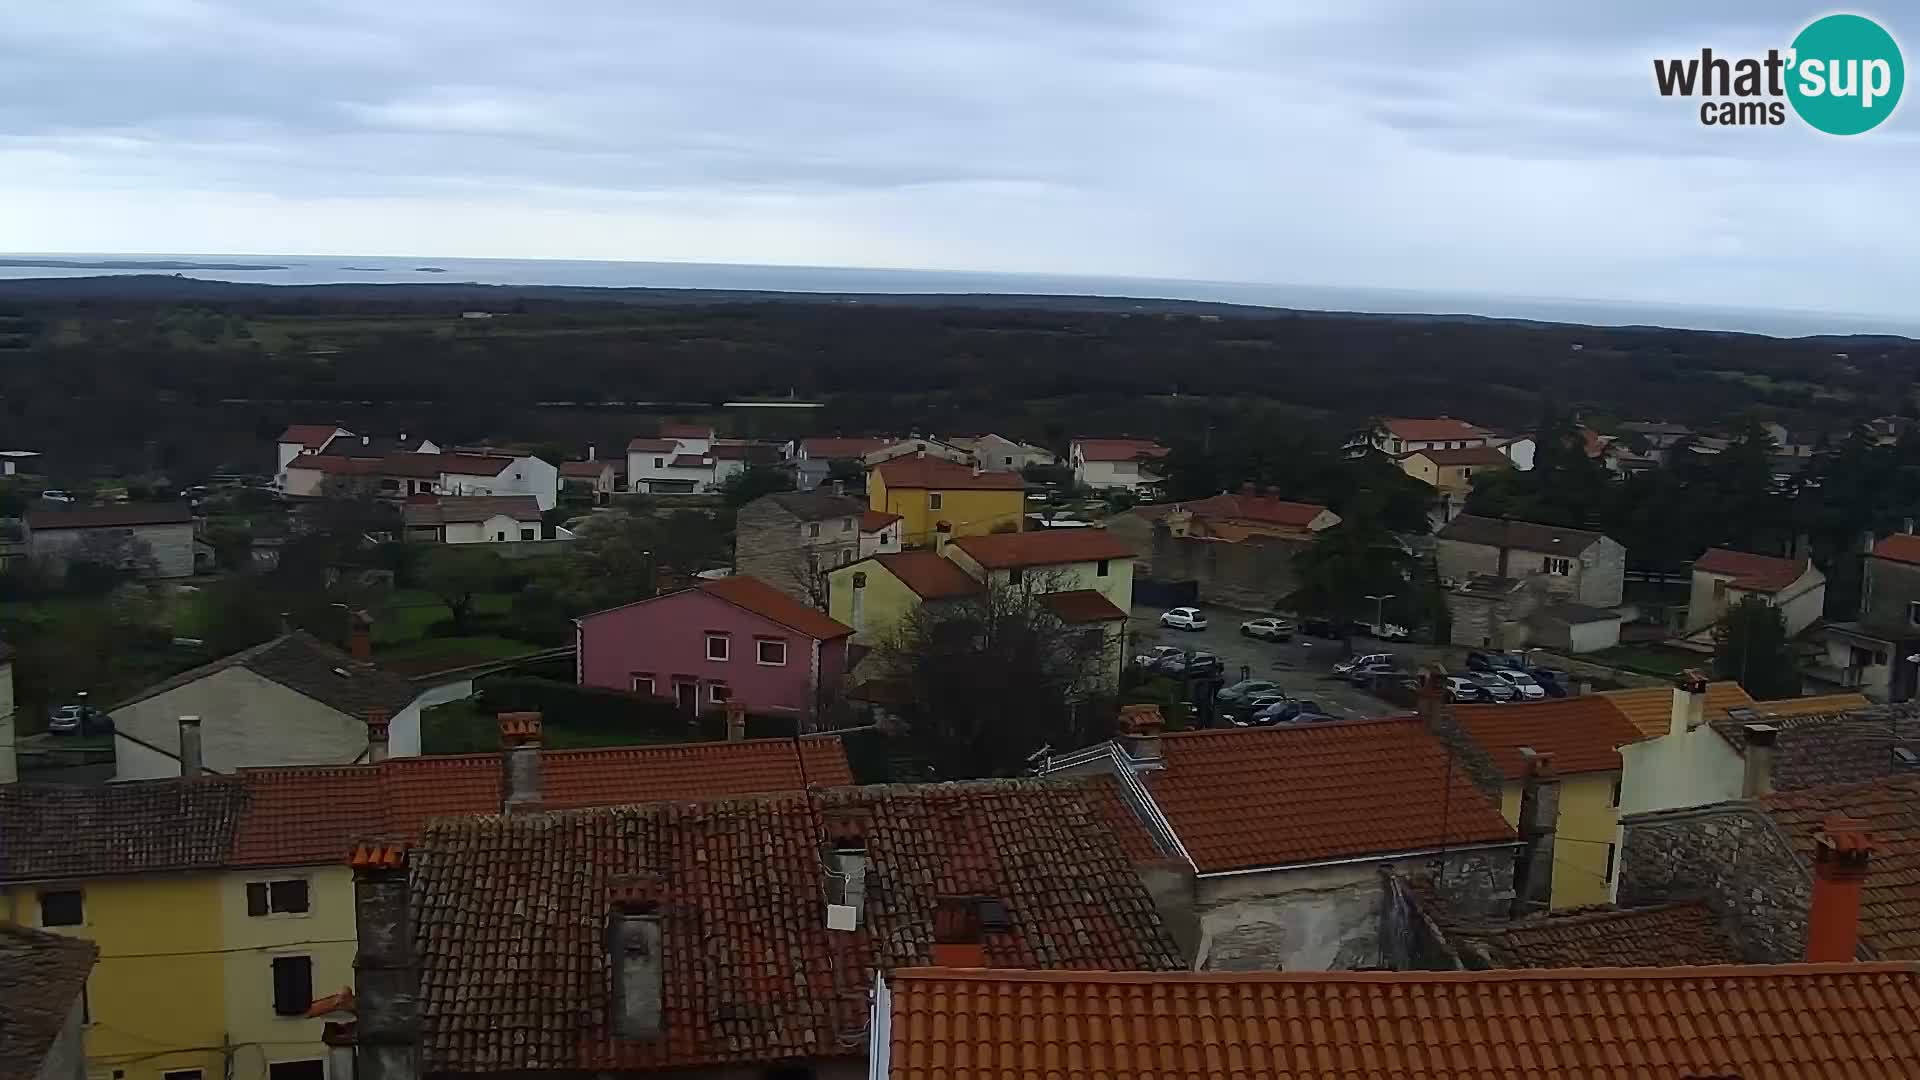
(735, 639)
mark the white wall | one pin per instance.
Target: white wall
(1693, 768)
(525, 476)
(1594, 636)
(245, 720)
(489, 531)
(1801, 609)
(1520, 452)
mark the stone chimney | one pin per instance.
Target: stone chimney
(191, 762)
(386, 973)
(634, 945)
(1179, 521)
(1689, 703)
(1539, 816)
(957, 940)
(1140, 728)
(520, 764)
(359, 638)
(942, 536)
(1757, 780)
(847, 865)
(1841, 852)
(377, 723)
(736, 721)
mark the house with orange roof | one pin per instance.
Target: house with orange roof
(301, 439)
(1723, 578)
(1107, 464)
(1283, 831)
(1395, 436)
(1237, 546)
(938, 499)
(1875, 654)
(1451, 472)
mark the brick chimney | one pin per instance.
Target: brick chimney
(957, 940)
(1539, 817)
(359, 638)
(1140, 728)
(1757, 779)
(1689, 703)
(736, 721)
(847, 865)
(1841, 852)
(520, 764)
(386, 973)
(1430, 700)
(191, 762)
(378, 722)
(634, 945)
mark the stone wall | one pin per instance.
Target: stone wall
(1734, 857)
(1254, 574)
(1889, 588)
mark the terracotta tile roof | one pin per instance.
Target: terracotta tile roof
(1810, 705)
(1434, 429)
(1685, 934)
(1650, 708)
(311, 436)
(749, 592)
(1754, 573)
(940, 474)
(306, 665)
(135, 827)
(1900, 547)
(302, 815)
(1580, 732)
(333, 465)
(1842, 747)
(818, 505)
(656, 446)
(1265, 509)
(510, 917)
(1111, 805)
(42, 976)
(125, 515)
(844, 449)
(585, 468)
(1047, 547)
(930, 576)
(1464, 455)
(759, 453)
(1524, 535)
(686, 431)
(372, 446)
(468, 509)
(1240, 799)
(1119, 449)
(875, 520)
(1082, 606)
(1890, 809)
(1788, 1022)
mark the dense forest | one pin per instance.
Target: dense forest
(175, 375)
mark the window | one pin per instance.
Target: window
(643, 684)
(1016, 575)
(813, 530)
(846, 524)
(717, 646)
(529, 534)
(292, 985)
(846, 556)
(1913, 613)
(933, 501)
(659, 463)
(773, 651)
(287, 896)
(175, 1074)
(62, 908)
(1560, 567)
(500, 535)
(1610, 854)
(297, 1070)
(719, 693)
(1466, 471)
(1007, 460)
(1101, 569)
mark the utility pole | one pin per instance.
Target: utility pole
(1379, 607)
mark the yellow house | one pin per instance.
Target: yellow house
(875, 593)
(132, 867)
(937, 499)
(1582, 735)
(1450, 472)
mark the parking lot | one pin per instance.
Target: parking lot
(1302, 666)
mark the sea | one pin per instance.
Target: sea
(330, 269)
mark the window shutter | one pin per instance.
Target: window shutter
(292, 984)
(256, 898)
(290, 895)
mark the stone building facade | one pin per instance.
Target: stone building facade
(1735, 857)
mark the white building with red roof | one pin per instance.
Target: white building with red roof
(1115, 463)
(1722, 578)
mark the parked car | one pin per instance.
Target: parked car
(56, 496)
(1268, 629)
(1496, 689)
(1463, 689)
(1283, 712)
(1495, 661)
(1244, 690)
(1552, 680)
(78, 720)
(1368, 674)
(1154, 657)
(1194, 665)
(1346, 667)
(1330, 629)
(1389, 632)
(1255, 703)
(1522, 682)
(1184, 618)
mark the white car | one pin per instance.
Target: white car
(1522, 683)
(1184, 618)
(1346, 667)
(1271, 629)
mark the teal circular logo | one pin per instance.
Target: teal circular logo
(1846, 74)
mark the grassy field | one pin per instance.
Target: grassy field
(401, 640)
(1651, 659)
(409, 613)
(460, 727)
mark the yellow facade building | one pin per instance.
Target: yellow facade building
(937, 499)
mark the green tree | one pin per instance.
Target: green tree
(752, 482)
(458, 574)
(1355, 559)
(1750, 647)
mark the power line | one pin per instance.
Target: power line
(239, 949)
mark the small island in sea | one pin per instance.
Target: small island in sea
(429, 269)
(133, 264)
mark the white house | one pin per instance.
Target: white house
(481, 519)
(919, 446)
(1114, 463)
(1398, 435)
(302, 439)
(166, 530)
(13, 462)
(1723, 578)
(879, 533)
(997, 453)
(523, 474)
(687, 457)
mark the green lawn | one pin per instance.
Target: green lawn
(460, 727)
(1651, 659)
(410, 612)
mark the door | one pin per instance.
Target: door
(687, 694)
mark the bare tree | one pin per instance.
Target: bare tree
(807, 571)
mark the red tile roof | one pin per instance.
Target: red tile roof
(1890, 810)
(1789, 1022)
(1900, 547)
(1436, 429)
(1082, 606)
(1664, 935)
(510, 918)
(875, 520)
(1650, 708)
(749, 592)
(656, 446)
(469, 509)
(1580, 732)
(1464, 455)
(1244, 799)
(1119, 449)
(1754, 573)
(334, 465)
(938, 473)
(302, 815)
(1048, 547)
(745, 451)
(134, 827)
(837, 448)
(123, 515)
(930, 576)
(1265, 509)
(686, 431)
(311, 436)
(43, 978)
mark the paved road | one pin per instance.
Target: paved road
(1301, 666)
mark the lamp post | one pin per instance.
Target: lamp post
(1379, 604)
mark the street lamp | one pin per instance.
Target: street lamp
(1379, 603)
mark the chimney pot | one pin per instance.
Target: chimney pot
(378, 722)
(1140, 728)
(520, 771)
(634, 943)
(1757, 779)
(592, 454)
(1689, 703)
(1841, 853)
(360, 639)
(957, 940)
(191, 762)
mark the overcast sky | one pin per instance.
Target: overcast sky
(1512, 146)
